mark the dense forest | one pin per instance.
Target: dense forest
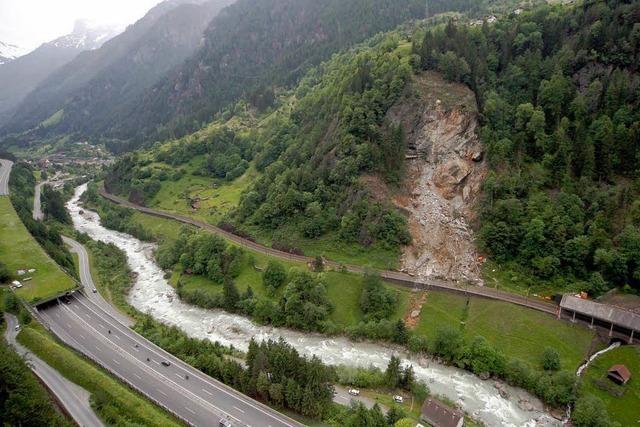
(312, 159)
(253, 48)
(559, 94)
(558, 90)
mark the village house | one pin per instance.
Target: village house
(437, 414)
(619, 374)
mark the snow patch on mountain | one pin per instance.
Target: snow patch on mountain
(9, 52)
(86, 36)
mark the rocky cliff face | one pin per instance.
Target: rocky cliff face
(445, 169)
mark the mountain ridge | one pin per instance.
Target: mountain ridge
(21, 75)
(83, 77)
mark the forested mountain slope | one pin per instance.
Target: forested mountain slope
(559, 92)
(23, 74)
(253, 46)
(96, 84)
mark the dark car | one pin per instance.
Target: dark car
(165, 363)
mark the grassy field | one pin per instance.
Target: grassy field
(19, 250)
(519, 332)
(508, 277)
(343, 289)
(335, 249)
(123, 405)
(625, 409)
(216, 200)
(524, 336)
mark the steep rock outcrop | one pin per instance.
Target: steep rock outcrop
(445, 169)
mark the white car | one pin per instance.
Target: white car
(94, 290)
(398, 399)
(354, 392)
(17, 328)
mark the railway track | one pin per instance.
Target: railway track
(397, 277)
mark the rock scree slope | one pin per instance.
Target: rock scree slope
(445, 170)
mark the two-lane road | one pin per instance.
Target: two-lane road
(89, 286)
(191, 395)
(5, 171)
(37, 204)
(72, 397)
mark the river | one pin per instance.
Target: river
(152, 294)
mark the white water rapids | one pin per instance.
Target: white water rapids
(152, 294)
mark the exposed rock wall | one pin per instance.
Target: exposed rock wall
(445, 170)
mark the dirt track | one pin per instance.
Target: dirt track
(390, 275)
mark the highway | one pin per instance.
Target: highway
(183, 390)
(398, 277)
(5, 171)
(72, 397)
(87, 282)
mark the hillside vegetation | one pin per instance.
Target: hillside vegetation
(308, 158)
(558, 93)
(20, 251)
(86, 93)
(23, 401)
(557, 90)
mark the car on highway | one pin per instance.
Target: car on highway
(224, 423)
(17, 328)
(354, 392)
(165, 363)
(94, 290)
(398, 399)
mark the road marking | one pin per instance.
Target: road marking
(190, 410)
(81, 336)
(98, 348)
(162, 393)
(115, 361)
(208, 392)
(179, 376)
(117, 337)
(238, 409)
(137, 376)
(163, 353)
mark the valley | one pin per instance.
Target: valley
(331, 213)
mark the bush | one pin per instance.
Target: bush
(448, 343)
(5, 274)
(376, 301)
(274, 275)
(550, 359)
(305, 304)
(590, 412)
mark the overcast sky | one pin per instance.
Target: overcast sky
(29, 23)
